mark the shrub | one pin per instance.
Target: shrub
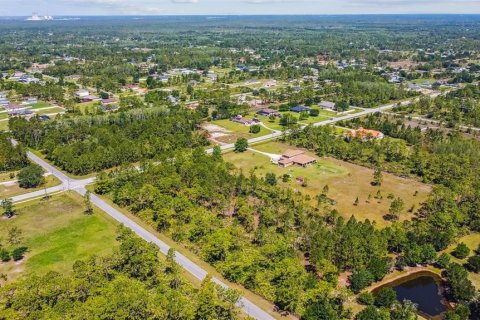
(255, 128)
(360, 279)
(366, 298)
(314, 112)
(271, 179)
(19, 253)
(241, 145)
(444, 260)
(473, 264)
(4, 255)
(385, 297)
(461, 251)
(31, 176)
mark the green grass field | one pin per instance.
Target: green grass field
(57, 233)
(5, 176)
(4, 126)
(422, 80)
(237, 131)
(40, 105)
(3, 115)
(49, 111)
(346, 182)
(275, 125)
(87, 107)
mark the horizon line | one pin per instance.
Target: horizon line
(247, 14)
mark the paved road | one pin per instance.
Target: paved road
(79, 186)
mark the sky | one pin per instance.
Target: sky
(235, 7)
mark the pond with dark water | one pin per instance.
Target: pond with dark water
(425, 290)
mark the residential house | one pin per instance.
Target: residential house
(192, 105)
(27, 79)
(295, 157)
(212, 76)
(270, 83)
(89, 98)
(131, 87)
(365, 134)
(269, 112)
(110, 101)
(253, 81)
(3, 100)
(299, 109)
(415, 87)
(109, 107)
(82, 93)
(31, 100)
(164, 78)
(245, 121)
(327, 105)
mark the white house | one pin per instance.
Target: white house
(82, 93)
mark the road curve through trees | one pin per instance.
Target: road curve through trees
(79, 186)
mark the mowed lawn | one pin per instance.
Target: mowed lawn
(49, 110)
(3, 125)
(57, 233)
(345, 181)
(237, 131)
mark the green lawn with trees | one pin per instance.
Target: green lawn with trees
(57, 233)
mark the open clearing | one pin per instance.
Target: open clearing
(230, 131)
(346, 182)
(57, 233)
(3, 125)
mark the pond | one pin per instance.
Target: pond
(424, 289)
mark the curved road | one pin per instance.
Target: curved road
(79, 186)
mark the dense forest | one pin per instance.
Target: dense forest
(132, 283)
(82, 145)
(256, 234)
(11, 157)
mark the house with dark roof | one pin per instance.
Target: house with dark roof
(327, 105)
(299, 109)
(109, 101)
(268, 112)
